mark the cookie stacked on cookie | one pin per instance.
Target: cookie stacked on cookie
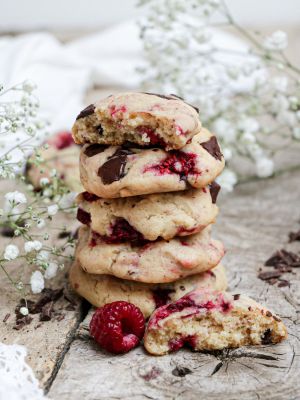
(148, 168)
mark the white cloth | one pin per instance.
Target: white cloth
(17, 381)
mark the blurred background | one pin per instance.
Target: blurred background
(78, 51)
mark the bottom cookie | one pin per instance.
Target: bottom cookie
(102, 289)
(210, 320)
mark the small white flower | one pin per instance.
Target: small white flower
(227, 153)
(248, 138)
(16, 197)
(40, 223)
(51, 270)
(37, 282)
(248, 125)
(29, 86)
(24, 311)
(53, 173)
(32, 245)
(67, 200)
(264, 167)
(278, 41)
(52, 210)
(11, 252)
(225, 130)
(44, 181)
(43, 256)
(227, 180)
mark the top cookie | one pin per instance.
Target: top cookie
(146, 119)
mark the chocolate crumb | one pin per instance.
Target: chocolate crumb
(6, 317)
(269, 314)
(46, 313)
(236, 296)
(294, 236)
(21, 322)
(181, 371)
(283, 283)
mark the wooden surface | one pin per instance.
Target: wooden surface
(254, 222)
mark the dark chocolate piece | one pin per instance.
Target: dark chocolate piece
(213, 148)
(267, 337)
(114, 168)
(236, 296)
(94, 149)
(214, 189)
(269, 275)
(171, 97)
(181, 371)
(46, 313)
(86, 112)
(83, 216)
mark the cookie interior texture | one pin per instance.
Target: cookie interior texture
(216, 322)
(138, 118)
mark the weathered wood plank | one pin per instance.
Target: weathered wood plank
(254, 222)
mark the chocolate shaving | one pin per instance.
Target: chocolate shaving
(214, 189)
(212, 147)
(21, 322)
(114, 168)
(269, 275)
(282, 261)
(6, 317)
(86, 112)
(46, 313)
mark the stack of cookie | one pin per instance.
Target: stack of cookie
(148, 168)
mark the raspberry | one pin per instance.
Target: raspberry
(61, 140)
(118, 327)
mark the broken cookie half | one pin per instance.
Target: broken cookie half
(208, 320)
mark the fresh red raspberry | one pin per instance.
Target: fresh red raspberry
(118, 327)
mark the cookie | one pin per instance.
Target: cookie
(209, 320)
(154, 216)
(103, 289)
(111, 172)
(141, 118)
(155, 262)
(62, 155)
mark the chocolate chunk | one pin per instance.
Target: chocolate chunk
(283, 283)
(267, 337)
(181, 371)
(83, 216)
(47, 296)
(213, 148)
(269, 314)
(214, 189)
(21, 322)
(99, 129)
(94, 149)
(64, 234)
(86, 112)
(90, 197)
(114, 168)
(236, 296)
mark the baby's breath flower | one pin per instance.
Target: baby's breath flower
(278, 41)
(40, 223)
(52, 210)
(15, 197)
(51, 270)
(227, 180)
(24, 311)
(44, 181)
(37, 282)
(11, 252)
(264, 167)
(34, 245)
